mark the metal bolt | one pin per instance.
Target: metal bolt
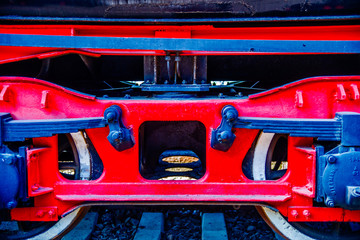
(306, 213)
(51, 213)
(127, 96)
(166, 82)
(184, 82)
(35, 187)
(117, 136)
(294, 213)
(40, 213)
(223, 136)
(110, 116)
(11, 204)
(331, 159)
(230, 115)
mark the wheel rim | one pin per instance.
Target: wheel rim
(264, 153)
(73, 154)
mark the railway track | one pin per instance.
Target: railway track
(181, 224)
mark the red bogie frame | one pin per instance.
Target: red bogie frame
(224, 181)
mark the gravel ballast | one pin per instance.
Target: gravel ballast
(181, 224)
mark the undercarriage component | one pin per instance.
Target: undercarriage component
(13, 173)
(339, 178)
(175, 74)
(157, 86)
(120, 137)
(173, 44)
(292, 227)
(45, 227)
(342, 128)
(19, 130)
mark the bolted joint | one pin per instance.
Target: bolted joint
(229, 113)
(224, 136)
(306, 213)
(117, 136)
(331, 159)
(294, 213)
(51, 213)
(110, 116)
(40, 214)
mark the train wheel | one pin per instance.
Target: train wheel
(270, 163)
(74, 164)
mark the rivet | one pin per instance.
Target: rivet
(294, 213)
(306, 213)
(40, 213)
(51, 213)
(331, 159)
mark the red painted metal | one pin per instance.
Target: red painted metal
(320, 214)
(223, 181)
(43, 214)
(315, 33)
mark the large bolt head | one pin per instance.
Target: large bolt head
(51, 213)
(294, 213)
(223, 136)
(110, 116)
(331, 159)
(306, 213)
(40, 213)
(117, 136)
(230, 115)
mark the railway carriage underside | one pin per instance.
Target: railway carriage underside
(260, 110)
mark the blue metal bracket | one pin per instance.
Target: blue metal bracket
(13, 174)
(172, 44)
(120, 137)
(338, 177)
(345, 127)
(222, 138)
(19, 130)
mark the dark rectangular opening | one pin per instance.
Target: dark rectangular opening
(172, 150)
